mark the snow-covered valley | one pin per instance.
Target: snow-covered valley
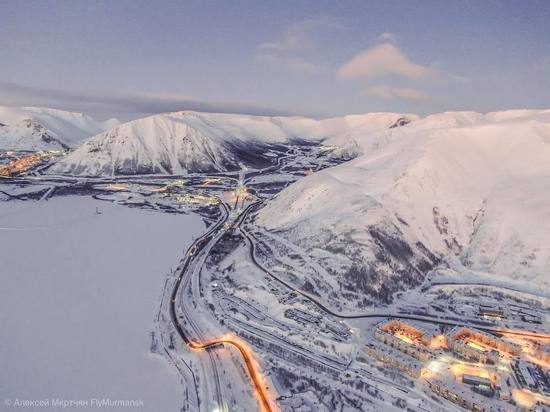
(192, 142)
(320, 233)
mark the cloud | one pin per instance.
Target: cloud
(294, 49)
(383, 60)
(388, 37)
(123, 104)
(393, 93)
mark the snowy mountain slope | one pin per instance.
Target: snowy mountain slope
(510, 236)
(463, 188)
(39, 128)
(188, 142)
(352, 141)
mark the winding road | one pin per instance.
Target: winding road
(191, 253)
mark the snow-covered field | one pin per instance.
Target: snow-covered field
(78, 299)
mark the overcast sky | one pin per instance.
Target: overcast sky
(320, 58)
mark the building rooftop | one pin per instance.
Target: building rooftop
(475, 380)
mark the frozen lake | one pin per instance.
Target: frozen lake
(78, 295)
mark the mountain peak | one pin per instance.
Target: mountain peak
(42, 128)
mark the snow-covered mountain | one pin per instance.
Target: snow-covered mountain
(41, 128)
(347, 140)
(462, 189)
(188, 142)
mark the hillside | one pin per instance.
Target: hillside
(192, 142)
(40, 128)
(459, 189)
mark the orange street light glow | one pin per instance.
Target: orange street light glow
(477, 346)
(540, 362)
(210, 180)
(428, 373)
(20, 165)
(116, 186)
(404, 338)
(438, 342)
(266, 404)
(526, 399)
(459, 369)
(540, 337)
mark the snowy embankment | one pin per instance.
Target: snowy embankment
(466, 277)
(78, 297)
(461, 188)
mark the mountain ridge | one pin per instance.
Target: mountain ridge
(194, 142)
(43, 128)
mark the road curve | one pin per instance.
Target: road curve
(254, 374)
(192, 251)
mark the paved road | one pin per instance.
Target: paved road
(183, 279)
(193, 251)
